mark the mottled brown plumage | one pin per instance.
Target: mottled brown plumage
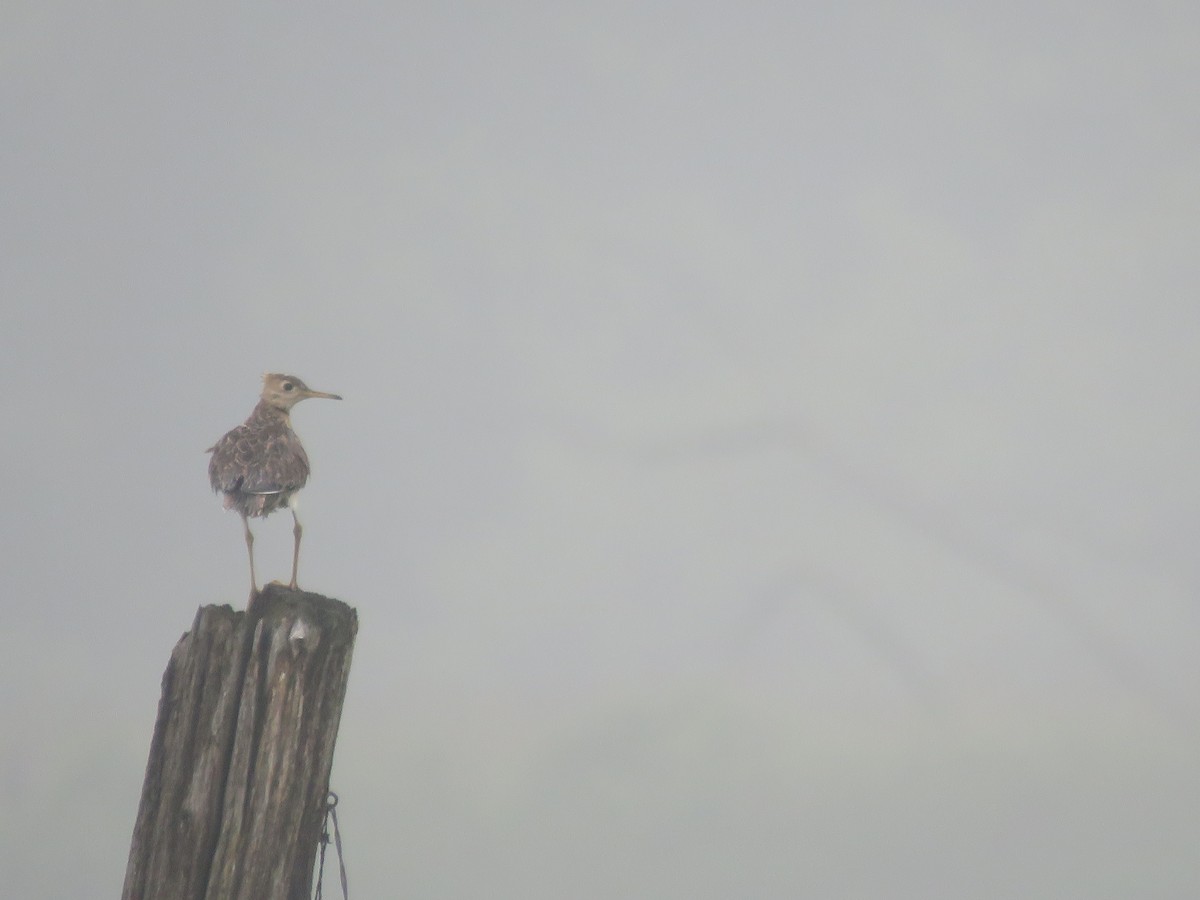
(261, 464)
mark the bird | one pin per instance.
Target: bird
(261, 464)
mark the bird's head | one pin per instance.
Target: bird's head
(285, 391)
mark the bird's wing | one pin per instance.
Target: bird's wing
(284, 464)
(258, 461)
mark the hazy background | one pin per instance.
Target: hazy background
(768, 461)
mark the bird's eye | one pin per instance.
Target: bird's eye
(287, 386)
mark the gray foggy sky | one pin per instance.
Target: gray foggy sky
(767, 466)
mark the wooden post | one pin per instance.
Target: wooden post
(238, 773)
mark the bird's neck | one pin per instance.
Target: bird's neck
(266, 413)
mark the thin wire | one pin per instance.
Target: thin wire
(331, 814)
(337, 840)
(321, 865)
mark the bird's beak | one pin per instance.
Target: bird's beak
(321, 395)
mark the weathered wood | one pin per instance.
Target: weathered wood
(239, 763)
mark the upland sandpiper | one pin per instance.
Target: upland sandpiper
(260, 465)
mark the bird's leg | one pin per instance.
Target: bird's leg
(297, 530)
(250, 551)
